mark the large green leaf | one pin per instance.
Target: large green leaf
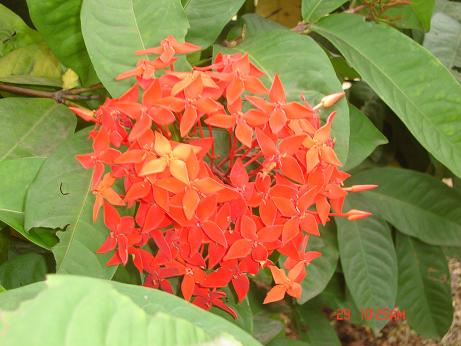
(320, 271)
(424, 287)
(60, 197)
(115, 29)
(62, 292)
(313, 10)
(369, 262)
(33, 127)
(415, 203)
(81, 311)
(444, 40)
(207, 18)
(365, 137)
(59, 23)
(417, 87)
(16, 175)
(302, 66)
(22, 270)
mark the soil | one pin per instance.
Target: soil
(398, 333)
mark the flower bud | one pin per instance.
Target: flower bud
(329, 100)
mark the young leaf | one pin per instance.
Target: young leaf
(369, 262)
(59, 23)
(33, 127)
(417, 204)
(426, 97)
(114, 30)
(365, 137)
(22, 270)
(207, 18)
(424, 287)
(313, 10)
(302, 60)
(130, 310)
(60, 197)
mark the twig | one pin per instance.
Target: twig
(60, 96)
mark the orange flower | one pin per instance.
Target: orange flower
(285, 284)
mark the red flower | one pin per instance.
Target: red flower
(207, 216)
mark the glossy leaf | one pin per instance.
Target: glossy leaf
(444, 40)
(147, 302)
(274, 48)
(365, 137)
(59, 23)
(16, 175)
(207, 18)
(33, 127)
(313, 10)
(369, 263)
(22, 270)
(436, 122)
(60, 197)
(320, 270)
(114, 30)
(424, 287)
(415, 203)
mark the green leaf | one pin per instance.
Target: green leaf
(425, 97)
(365, 137)
(24, 58)
(320, 270)
(313, 10)
(423, 10)
(266, 328)
(302, 66)
(22, 270)
(115, 29)
(369, 262)
(424, 287)
(14, 33)
(452, 252)
(34, 64)
(60, 197)
(33, 127)
(16, 175)
(207, 18)
(415, 203)
(59, 23)
(319, 330)
(64, 291)
(92, 312)
(444, 41)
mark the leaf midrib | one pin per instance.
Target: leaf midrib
(415, 260)
(44, 116)
(371, 62)
(72, 229)
(411, 205)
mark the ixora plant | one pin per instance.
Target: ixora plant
(222, 143)
(213, 220)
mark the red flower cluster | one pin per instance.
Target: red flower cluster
(213, 221)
